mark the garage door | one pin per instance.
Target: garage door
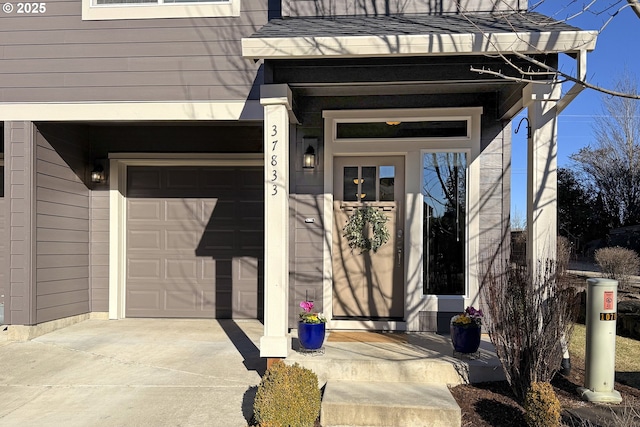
(194, 241)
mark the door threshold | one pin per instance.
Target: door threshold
(367, 325)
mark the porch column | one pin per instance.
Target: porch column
(276, 100)
(542, 183)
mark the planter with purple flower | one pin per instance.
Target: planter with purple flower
(311, 327)
(466, 330)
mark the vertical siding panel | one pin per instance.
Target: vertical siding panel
(494, 192)
(62, 221)
(19, 199)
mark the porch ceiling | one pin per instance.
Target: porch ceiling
(420, 35)
(401, 88)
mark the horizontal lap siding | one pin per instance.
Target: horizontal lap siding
(62, 226)
(57, 57)
(99, 250)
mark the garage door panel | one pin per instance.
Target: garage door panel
(224, 210)
(144, 269)
(144, 210)
(216, 240)
(245, 274)
(181, 178)
(182, 210)
(181, 240)
(147, 240)
(251, 210)
(251, 241)
(208, 267)
(143, 179)
(181, 300)
(186, 229)
(181, 269)
(143, 300)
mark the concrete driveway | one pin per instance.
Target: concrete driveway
(133, 372)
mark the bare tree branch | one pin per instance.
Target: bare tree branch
(611, 8)
(550, 71)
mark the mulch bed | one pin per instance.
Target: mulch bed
(494, 405)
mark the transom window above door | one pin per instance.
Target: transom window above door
(369, 183)
(396, 128)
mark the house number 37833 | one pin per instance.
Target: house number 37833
(274, 161)
(25, 8)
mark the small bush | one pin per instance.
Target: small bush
(618, 263)
(288, 396)
(541, 405)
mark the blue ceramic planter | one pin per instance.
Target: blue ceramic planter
(311, 335)
(465, 340)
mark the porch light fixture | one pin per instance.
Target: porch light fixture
(393, 123)
(97, 174)
(309, 158)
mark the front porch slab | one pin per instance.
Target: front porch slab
(426, 358)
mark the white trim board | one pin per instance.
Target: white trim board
(418, 45)
(131, 111)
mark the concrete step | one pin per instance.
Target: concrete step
(418, 370)
(388, 404)
(425, 358)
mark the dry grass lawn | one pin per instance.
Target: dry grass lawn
(627, 350)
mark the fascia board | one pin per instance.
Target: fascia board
(418, 45)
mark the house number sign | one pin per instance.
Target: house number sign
(24, 8)
(274, 162)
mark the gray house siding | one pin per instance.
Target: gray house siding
(62, 223)
(99, 250)
(19, 306)
(57, 57)
(3, 235)
(495, 166)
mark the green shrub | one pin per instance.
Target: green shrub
(541, 405)
(288, 396)
(618, 263)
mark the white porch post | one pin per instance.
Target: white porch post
(276, 100)
(542, 183)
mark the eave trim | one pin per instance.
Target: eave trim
(418, 45)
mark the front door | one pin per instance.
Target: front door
(368, 284)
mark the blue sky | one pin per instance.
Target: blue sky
(617, 47)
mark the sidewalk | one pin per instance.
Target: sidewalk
(133, 372)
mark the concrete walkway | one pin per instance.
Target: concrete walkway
(133, 372)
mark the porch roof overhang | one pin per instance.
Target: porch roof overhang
(425, 35)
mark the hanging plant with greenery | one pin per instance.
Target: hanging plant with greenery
(356, 230)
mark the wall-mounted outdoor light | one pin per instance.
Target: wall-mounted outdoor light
(309, 156)
(98, 174)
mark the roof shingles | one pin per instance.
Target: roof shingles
(349, 26)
